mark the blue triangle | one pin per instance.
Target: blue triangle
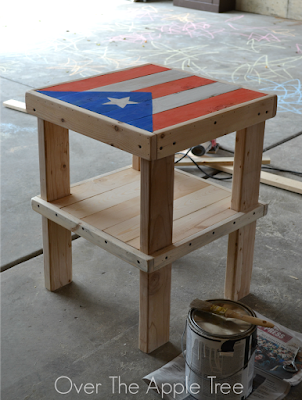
(139, 114)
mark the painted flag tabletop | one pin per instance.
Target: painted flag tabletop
(154, 99)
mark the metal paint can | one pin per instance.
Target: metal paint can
(220, 354)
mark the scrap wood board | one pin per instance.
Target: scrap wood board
(15, 105)
(205, 160)
(267, 178)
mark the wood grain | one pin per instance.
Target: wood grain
(136, 163)
(245, 193)
(55, 183)
(157, 181)
(292, 185)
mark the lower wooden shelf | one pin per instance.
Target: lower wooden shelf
(106, 211)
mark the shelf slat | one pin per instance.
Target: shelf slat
(106, 211)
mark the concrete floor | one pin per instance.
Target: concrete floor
(88, 330)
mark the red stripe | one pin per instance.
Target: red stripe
(176, 86)
(108, 79)
(203, 107)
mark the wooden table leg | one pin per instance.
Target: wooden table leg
(55, 183)
(157, 183)
(136, 163)
(245, 193)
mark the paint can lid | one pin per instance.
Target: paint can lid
(218, 325)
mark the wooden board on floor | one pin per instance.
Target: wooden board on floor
(15, 105)
(270, 179)
(205, 160)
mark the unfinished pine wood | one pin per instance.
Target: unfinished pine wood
(240, 262)
(156, 223)
(154, 308)
(55, 183)
(208, 160)
(179, 249)
(57, 255)
(200, 130)
(185, 205)
(15, 105)
(136, 163)
(186, 237)
(245, 193)
(110, 198)
(292, 185)
(93, 235)
(98, 185)
(157, 185)
(111, 218)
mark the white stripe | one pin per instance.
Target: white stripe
(191, 96)
(143, 82)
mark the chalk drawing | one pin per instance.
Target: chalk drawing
(234, 18)
(136, 37)
(181, 18)
(266, 68)
(192, 29)
(289, 94)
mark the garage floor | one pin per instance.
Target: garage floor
(88, 330)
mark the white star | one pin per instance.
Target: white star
(120, 102)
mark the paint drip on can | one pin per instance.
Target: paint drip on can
(220, 351)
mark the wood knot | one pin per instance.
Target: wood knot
(116, 128)
(62, 120)
(162, 135)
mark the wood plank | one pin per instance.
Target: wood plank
(55, 183)
(212, 161)
(107, 79)
(292, 185)
(15, 105)
(98, 185)
(157, 181)
(201, 219)
(142, 82)
(95, 236)
(157, 186)
(130, 254)
(247, 167)
(104, 200)
(117, 134)
(154, 309)
(239, 262)
(54, 160)
(245, 193)
(130, 229)
(204, 128)
(115, 215)
(176, 86)
(186, 97)
(226, 97)
(57, 255)
(185, 224)
(208, 235)
(136, 163)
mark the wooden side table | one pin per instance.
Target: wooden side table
(146, 214)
